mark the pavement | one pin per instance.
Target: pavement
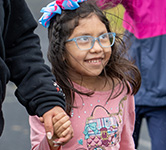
(16, 135)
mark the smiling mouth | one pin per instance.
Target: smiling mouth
(94, 60)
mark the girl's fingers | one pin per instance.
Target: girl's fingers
(41, 119)
(65, 132)
(62, 124)
(68, 136)
(58, 117)
(63, 129)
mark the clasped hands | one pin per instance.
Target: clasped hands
(58, 127)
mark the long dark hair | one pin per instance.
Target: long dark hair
(118, 66)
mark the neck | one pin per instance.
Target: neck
(94, 83)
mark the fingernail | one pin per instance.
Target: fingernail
(56, 145)
(57, 142)
(49, 135)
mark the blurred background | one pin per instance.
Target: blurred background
(16, 132)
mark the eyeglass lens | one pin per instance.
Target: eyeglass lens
(87, 42)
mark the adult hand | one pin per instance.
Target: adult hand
(62, 131)
(47, 119)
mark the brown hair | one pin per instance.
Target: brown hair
(118, 66)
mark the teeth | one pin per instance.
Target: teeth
(94, 61)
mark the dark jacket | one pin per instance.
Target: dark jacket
(21, 61)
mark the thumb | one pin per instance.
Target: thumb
(48, 125)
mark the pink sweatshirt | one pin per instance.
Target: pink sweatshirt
(144, 18)
(96, 123)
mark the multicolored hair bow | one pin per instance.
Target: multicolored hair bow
(55, 7)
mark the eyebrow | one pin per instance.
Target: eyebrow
(84, 33)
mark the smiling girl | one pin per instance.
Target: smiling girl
(89, 63)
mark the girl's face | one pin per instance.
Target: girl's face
(88, 62)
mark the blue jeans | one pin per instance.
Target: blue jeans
(156, 122)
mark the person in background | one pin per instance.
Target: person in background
(21, 62)
(145, 25)
(97, 79)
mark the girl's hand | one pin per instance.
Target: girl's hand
(61, 124)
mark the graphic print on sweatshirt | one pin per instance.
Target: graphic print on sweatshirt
(102, 133)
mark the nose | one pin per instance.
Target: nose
(96, 47)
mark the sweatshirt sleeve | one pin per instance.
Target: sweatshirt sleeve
(127, 142)
(36, 88)
(37, 135)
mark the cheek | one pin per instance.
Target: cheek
(74, 60)
(76, 65)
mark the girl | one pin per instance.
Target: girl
(97, 79)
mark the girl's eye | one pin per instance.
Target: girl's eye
(83, 39)
(104, 36)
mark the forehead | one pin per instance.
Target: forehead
(89, 25)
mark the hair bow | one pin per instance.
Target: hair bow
(55, 7)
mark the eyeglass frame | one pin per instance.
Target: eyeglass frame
(93, 40)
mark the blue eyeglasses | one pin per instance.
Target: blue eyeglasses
(86, 42)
